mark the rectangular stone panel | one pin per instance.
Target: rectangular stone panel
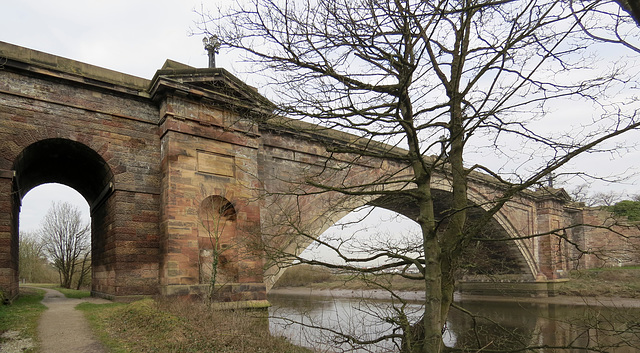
(217, 164)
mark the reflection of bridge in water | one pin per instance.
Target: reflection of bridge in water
(145, 153)
(551, 326)
(499, 325)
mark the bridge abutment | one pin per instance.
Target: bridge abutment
(551, 225)
(210, 199)
(125, 245)
(9, 211)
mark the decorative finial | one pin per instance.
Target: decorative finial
(212, 46)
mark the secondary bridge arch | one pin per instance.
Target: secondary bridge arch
(58, 160)
(63, 161)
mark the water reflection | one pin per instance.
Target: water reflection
(496, 325)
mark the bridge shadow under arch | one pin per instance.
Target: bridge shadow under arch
(488, 255)
(78, 166)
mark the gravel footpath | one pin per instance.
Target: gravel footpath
(64, 329)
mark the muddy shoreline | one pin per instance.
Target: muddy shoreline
(417, 296)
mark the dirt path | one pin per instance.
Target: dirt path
(64, 329)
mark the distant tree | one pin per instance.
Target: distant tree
(33, 265)
(581, 193)
(67, 242)
(626, 208)
(606, 198)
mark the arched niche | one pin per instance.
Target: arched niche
(217, 241)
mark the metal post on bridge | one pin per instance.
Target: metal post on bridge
(212, 46)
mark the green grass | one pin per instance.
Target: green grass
(72, 293)
(96, 313)
(69, 293)
(608, 282)
(23, 314)
(321, 278)
(304, 275)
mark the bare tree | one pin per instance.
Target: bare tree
(66, 241)
(610, 21)
(609, 198)
(452, 83)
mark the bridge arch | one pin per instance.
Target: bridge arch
(512, 253)
(76, 165)
(63, 161)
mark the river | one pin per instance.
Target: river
(498, 324)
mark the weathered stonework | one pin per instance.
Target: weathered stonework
(146, 153)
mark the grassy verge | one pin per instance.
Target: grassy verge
(607, 282)
(97, 315)
(69, 293)
(321, 278)
(21, 317)
(177, 326)
(390, 281)
(72, 293)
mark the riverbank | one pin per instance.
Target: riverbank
(368, 294)
(613, 287)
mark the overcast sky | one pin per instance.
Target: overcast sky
(135, 37)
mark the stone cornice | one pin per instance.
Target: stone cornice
(62, 68)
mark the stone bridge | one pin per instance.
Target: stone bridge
(153, 157)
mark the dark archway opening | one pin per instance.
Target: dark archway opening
(65, 162)
(75, 165)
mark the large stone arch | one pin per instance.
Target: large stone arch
(512, 231)
(403, 203)
(499, 226)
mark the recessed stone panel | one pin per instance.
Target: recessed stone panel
(217, 164)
